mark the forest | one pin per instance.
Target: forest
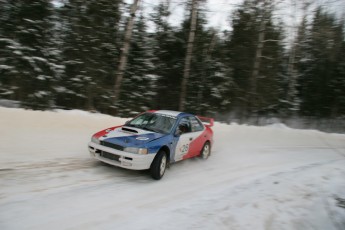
(108, 56)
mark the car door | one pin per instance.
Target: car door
(199, 137)
(185, 147)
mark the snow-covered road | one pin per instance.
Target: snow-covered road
(257, 178)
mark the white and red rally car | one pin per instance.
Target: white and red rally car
(154, 139)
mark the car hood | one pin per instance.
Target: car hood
(130, 137)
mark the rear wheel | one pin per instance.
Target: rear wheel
(159, 165)
(206, 151)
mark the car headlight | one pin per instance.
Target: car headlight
(136, 150)
(95, 140)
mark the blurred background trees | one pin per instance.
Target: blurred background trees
(65, 54)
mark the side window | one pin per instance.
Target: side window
(184, 126)
(195, 124)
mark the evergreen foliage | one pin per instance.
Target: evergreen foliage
(168, 49)
(27, 63)
(322, 70)
(139, 84)
(66, 56)
(241, 46)
(90, 52)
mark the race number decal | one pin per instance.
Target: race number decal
(184, 149)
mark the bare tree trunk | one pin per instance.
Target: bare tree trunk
(186, 71)
(292, 74)
(253, 98)
(292, 71)
(207, 55)
(124, 54)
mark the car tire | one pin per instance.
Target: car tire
(159, 165)
(206, 151)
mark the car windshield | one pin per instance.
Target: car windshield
(155, 122)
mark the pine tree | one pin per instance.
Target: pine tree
(321, 84)
(256, 86)
(139, 84)
(189, 54)
(207, 83)
(338, 83)
(90, 53)
(168, 48)
(124, 54)
(27, 64)
(296, 54)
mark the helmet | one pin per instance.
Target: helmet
(183, 127)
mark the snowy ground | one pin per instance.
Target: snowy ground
(257, 178)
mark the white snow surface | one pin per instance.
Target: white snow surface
(256, 178)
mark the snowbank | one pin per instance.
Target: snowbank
(256, 178)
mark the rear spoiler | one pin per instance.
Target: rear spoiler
(206, 121)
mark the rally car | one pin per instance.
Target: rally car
(153, 140)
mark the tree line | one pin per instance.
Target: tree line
(68, 55)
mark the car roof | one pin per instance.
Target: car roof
(171, 113)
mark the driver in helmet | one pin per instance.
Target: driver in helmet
(183, 128)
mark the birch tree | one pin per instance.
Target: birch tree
(124, 52)
(189, 53)
(255, 56)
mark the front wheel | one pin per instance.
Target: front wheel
(206, 151)
(158, 165)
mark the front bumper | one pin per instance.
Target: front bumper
(120, 158)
